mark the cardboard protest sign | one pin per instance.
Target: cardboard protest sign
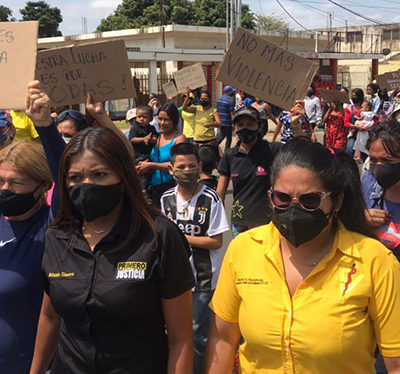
(265, 70)
(390, 81)
(18, 42)
(191, 76)
(170, 89)
(334, 95)
(68, 74)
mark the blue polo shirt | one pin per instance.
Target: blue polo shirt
(21, 289)
(225, 107)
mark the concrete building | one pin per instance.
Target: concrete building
(154, 53)
(365, 39)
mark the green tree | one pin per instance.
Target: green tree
(138, 13)
(270, 23)
(49, 17)
(5, 14)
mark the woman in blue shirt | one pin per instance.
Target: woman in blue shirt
(161, 180)
(381, 184)
(25, 178)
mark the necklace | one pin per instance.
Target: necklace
(84, 228)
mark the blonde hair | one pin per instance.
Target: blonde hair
(29, 158)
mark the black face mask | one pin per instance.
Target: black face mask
(246, 136)
(93, 201)
(16, 204)
(204, 102)
(299, 226)
(386, 175)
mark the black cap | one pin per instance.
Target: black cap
(246, 111)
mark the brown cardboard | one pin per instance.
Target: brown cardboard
(265, 70)
(18, 42)
(334, 95)
(68, 74)
(191, 76)
(170, 89)
(390, 81)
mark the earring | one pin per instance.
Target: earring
(336, 213)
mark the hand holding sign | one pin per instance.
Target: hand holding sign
(101, 69)
(17, 61)
(265, 70)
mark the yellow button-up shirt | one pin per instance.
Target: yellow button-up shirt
(347, 304)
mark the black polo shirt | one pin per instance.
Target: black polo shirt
(250, 174)
(109, 300)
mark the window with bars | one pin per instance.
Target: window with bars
(354, 37)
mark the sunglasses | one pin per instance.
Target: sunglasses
(74, 114)
(308, 201)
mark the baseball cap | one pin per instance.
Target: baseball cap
(228, 89)
(3, 118)
(131, 114)
(246, 111)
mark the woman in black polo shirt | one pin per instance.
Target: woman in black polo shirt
(248, 165)
(116, 273)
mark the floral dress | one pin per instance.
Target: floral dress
(336, 132)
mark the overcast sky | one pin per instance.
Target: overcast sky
(309, 13)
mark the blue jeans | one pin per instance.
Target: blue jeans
(201, 327)
(350, 145)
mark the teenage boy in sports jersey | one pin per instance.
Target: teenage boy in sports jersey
(200, 214)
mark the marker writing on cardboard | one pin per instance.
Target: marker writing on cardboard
(6, 37)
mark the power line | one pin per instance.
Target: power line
(356, 13)
(294, 19)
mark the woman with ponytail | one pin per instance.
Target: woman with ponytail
(313, 292)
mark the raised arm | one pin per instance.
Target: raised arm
(96, 110)
(38, 110)
(185, 107)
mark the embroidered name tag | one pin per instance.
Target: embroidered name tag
(131, 270)
(62, 275)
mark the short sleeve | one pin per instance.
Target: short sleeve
(175, 272)
(218, 221)
(224, 167)
(132, 132)
(30, 127)
(226, 300)
(384, 309)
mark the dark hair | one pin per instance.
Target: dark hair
(184, 149)
(208, 156)
(206, 92)
(153, 96)
(373, 87)
(345, 88)
(80, 120)
(359, 94)
(105, 144)
(389, 134)
(145, 108)
(172, 112)
(337, 172)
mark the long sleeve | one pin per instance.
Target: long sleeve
(54, 146)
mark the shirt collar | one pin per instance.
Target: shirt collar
(270, 239)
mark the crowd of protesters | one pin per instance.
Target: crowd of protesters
(112, 253)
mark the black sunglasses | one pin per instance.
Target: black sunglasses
(308, 201)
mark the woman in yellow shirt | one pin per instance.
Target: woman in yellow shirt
(312, 292)
(205, 121)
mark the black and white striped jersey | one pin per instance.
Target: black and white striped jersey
(203, 215)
